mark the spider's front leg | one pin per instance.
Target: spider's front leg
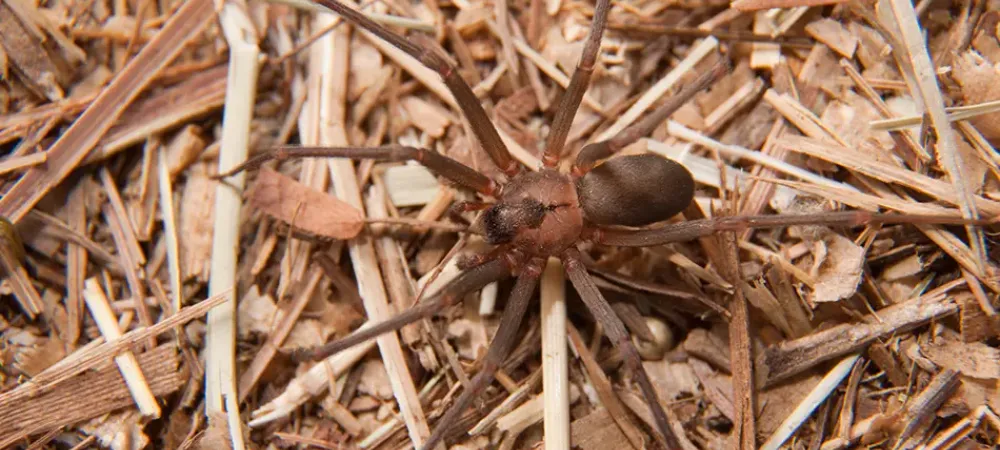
(437, 163)
(571, 99)
(467, 101)
(618, 335)
(593, 153)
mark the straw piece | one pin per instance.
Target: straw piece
(310, 384)
(949, 158)
(220, 339)
(555, 368)
(699, 52)
(167, 209)
(333, 82)
(97, 302)
(809, 404)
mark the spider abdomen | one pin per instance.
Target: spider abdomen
(635, 190)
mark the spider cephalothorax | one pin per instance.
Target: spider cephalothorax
(538, 213)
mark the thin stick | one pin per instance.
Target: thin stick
(220, 340)
(555, 364)
(290, 315)
(699, 52)
(22, 162)
(605, 392)
(809, 404)
(741, 353)
(955, 114)
(682, 132)
(948, 155)
(11, 258)
(362, 250)
(97, 302)
(170, 230)
(312, 383)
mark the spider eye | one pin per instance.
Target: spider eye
(635, 190)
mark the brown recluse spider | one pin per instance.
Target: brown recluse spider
(546, 213)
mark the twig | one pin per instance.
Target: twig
(13, 164)
(955, 114)
(220, 341)
(948, 154)
(792, 357)
(699, 52)
(170, 230)
(97, 302)
(555, 368)
(290, 315)
(311, 383)
(809, 404)
(604, 390)
(740, 347)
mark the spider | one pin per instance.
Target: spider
(545, 213)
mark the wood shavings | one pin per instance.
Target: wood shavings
(979, 82)
(426, 116)
(118, 431)
(256, 312)
(411, 185)
(304, 208)
(41, 70)
(834, 35)
(973, 359)
(471, 337)
(839, 272)
(85, 396)
(195, 225)
(597, 431)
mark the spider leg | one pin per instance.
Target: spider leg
(571, 99)
(503, 342)
(466, 99)
(594, 152)
(472, 280)
(615, 330)
(436, 162)
(693, 229)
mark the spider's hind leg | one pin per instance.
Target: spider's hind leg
(500, 347)
(619, 337)
(469, 281)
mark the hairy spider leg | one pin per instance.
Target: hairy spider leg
(469, 281)
(435, 162)
(614, 328)
(467, 101)
(501, 345)
(570, 101)
(693, 229)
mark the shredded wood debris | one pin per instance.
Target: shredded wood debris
(115, 118)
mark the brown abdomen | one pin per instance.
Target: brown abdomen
(635, 190)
